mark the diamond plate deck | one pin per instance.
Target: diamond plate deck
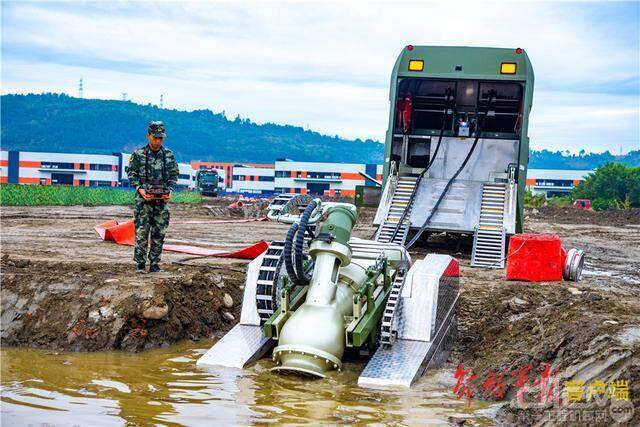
(403, 363)
(240, 346)
(398, 365)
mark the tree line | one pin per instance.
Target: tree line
(60, 123)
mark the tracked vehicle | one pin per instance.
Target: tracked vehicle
(455, 161)
(321, 292)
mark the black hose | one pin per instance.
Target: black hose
(299, 246)
(464, 163)
(444, 122)
(287, 252)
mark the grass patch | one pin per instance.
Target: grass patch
(62, 195)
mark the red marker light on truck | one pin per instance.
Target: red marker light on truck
(410, 47)
(519, 51)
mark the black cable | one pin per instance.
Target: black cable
(444, 122)
(299, 246)
(435, 153)
(287, 253)
(464, 163)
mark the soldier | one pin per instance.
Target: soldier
(153, 171)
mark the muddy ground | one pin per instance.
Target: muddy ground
(64, 288)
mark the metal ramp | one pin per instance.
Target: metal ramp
(425, 323)
(399, 212)
(489, 238)
(404, 363)
(246, 342)
(240, 346)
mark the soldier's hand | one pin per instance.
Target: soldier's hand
(144, 194)
(168, 196)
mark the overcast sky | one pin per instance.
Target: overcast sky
(326, 65)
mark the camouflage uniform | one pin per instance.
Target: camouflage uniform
(147, 168)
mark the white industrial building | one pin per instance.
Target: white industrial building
(554, 182)
(252, 180)
(285, 176)
(330, 179)
(76, 169)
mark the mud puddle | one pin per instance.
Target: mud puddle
(165, 387)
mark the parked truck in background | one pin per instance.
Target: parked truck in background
(207, 181)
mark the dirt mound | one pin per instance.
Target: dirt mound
(585, 333)
(581, 216)
(223, 208)
(89, 307)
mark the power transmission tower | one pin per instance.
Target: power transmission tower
(161, 100)
(80, 89)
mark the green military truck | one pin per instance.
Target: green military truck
(456, 148)
(207, 182)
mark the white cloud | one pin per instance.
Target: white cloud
(322, 64)
(594, 122)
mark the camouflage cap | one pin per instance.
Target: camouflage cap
(156, 128)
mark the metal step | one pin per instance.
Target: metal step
(401, 203)
(489, 237)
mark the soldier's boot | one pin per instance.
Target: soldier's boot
(140, 268)
(155, 268)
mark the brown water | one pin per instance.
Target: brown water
(164, 387)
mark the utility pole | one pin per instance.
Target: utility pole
(124, 96)
(161, 99)
(80, 90)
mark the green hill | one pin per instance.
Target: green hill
(60, 123)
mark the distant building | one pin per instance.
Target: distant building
(284, 176)
(316, 178)
(254, 180)
(331, 179)
(76, 169)
(554, 182)
(87, 170)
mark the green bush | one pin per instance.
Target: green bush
(534, 201)
(602, 204)
(561, 201)
(613, 185)
(62, 195)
